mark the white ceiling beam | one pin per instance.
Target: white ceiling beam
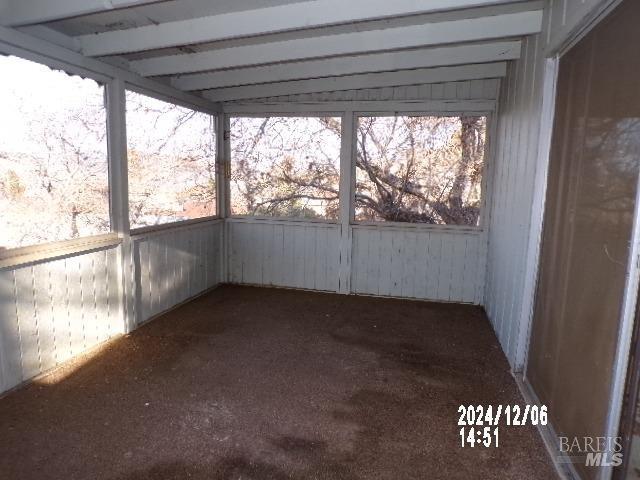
(354, 82)
(262, 21)
(377, 62)
(455, 31)
(28, 12)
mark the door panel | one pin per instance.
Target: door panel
(593, 174)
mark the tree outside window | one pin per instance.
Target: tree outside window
(420, 169)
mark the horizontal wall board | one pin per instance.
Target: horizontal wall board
(53, 311)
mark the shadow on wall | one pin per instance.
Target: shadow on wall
(54, 311)
(173, 266)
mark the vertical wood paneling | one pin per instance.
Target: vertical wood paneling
(175, 265)
(445, 268)
(10, 345)
(285, 254)
(54, 310)
(417, 263)
(514, 173)
(372, 284)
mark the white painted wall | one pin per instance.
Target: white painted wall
(513, 184)
(420, 263)
(284, 253)
(52, 311)
(171, 266)
(409, 262)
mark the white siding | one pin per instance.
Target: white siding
(514, 172)
(50, 312)
(419, 263)
(174, 265)
(486, 89)
(285, 254)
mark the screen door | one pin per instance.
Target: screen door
(593, 174)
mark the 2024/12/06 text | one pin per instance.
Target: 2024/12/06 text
(480, 424)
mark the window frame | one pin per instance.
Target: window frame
(216, 119)
(486, 170)
(29, 254)
(267, 114)
(108, 77)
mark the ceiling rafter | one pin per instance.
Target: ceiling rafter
(445, 32)
(377, 62)
(263, 21)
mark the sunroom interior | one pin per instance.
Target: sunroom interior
(290, 238)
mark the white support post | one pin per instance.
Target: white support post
(347, 187)
(119, 197)
(224, 193)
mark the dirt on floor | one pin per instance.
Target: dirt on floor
(257, 384)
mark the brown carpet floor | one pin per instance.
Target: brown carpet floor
(257, 384)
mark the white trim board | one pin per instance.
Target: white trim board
(46, 252)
